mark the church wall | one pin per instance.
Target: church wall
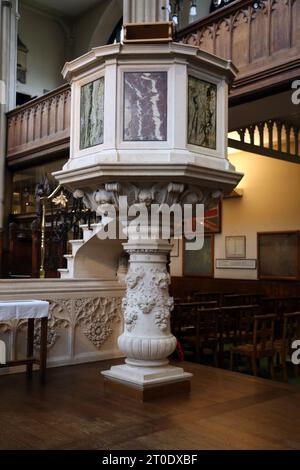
(270, 202)
(45, 40)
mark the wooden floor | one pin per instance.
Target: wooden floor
(226, 410)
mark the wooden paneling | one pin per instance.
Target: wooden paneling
(41, 125)
(20, 250)
(181, 287)
(296, 23)
(280, 22)
(263, 43)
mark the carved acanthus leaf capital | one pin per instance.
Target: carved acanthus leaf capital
(108, 195)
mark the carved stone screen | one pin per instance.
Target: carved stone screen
(92, 114)
(145, 106)
(202, 113)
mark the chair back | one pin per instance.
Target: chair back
(208, 324)
(183, 319)
(237, 323)
(264, 331)
(291, 329)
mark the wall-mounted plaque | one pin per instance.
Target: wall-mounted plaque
(235, 247)
(236, 264)
(278, 255)
(145, 106)
(92, 114)
(200, 262)
(202, 113)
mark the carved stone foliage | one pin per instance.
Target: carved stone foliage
(96, 315)
(103, 314)
(147, 293)
(146, 195)
(52, 336)
(12, 325)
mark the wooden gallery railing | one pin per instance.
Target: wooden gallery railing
(261, 37)
(272, 138)
(39, 127)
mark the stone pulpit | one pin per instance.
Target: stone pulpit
(149, 122)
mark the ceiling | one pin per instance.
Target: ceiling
(64, 7)
(278, 106)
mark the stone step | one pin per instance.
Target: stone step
(64, 273)
(76, 244)
(90, 231)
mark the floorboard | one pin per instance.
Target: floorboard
(225, 410)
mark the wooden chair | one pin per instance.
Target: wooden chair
(202, 303)
(196, 328)
(280, 305)
(290, 333)
(208, 323)
(240, 299)
(235, 327)
(183, 324)
(205, 296)
(262, 344)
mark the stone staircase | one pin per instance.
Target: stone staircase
(92, 257)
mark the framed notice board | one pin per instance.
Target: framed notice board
(200, 262)
(278, 255)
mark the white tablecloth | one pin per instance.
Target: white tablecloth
(23, 309)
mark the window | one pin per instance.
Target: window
(21, 62)
(216, 4)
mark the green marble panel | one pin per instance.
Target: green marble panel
(202, 113)
(92, 114)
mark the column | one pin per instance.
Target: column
(143, 11)
(8, 61)
(147, 340)
(126, 11)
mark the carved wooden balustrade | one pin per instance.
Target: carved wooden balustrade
(272, 138)
(262, 38)
(39, 127)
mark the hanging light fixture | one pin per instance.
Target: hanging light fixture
(175, 15)
(193, 8)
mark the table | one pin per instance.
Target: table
(29, 310)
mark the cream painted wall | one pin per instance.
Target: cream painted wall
(270, 203)
(45, 39)
(95, 27)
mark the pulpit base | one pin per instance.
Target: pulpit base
(146, 383)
